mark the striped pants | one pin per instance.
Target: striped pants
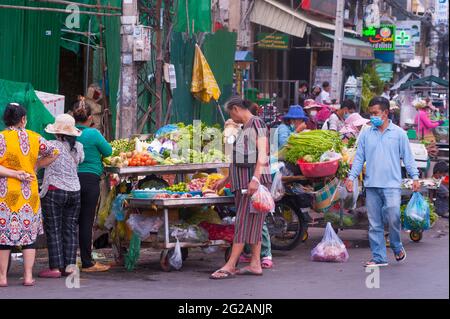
(248, 227)
(61, 210)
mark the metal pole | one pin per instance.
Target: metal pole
(88, 54)
(296, 94)
(336, 76)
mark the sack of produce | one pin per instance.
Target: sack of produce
(185, 233)
(417, 214)
(331, 248)
(277, 190)
(219, 232)
(262, 200)
(143, 225)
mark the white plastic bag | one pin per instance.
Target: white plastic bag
(143, 226)
(176, 260)
(277, 190)
(330, 156)
(331, 248)
(349, 199)
(262, 201)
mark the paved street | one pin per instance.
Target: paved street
(425, 275)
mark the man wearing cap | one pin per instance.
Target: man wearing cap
(294, 122)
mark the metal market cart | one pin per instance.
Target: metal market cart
(164, 205)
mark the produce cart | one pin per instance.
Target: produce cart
(164, 205)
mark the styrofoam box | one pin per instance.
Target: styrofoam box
(53, 102)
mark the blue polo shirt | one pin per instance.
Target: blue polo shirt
(383, 153)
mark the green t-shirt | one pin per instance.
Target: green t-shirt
(95, 147)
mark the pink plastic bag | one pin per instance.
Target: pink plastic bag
(262, 200)
(331, 248)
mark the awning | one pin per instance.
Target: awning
(243, 56)
(404, 79)
(354, 49)
(282, 18)
(426, 81)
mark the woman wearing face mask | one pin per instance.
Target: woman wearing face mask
(294, 122)
(312, 108)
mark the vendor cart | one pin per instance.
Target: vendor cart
(164, 205)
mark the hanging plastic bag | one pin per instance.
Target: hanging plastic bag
(176, 260)
(262, 201)
(117, 207)
(331, 248)
(143, 225)
(349, 199)
(277, 190)
(134, 252)
(417, 214)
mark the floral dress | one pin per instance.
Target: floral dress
(20, 207)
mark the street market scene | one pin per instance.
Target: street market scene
(224, 149)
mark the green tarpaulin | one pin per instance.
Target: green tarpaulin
(23, 93)
(193, 16)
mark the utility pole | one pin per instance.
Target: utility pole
(336, 76)
(127, 112)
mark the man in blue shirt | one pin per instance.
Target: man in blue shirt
(294, 122)
(382, 148)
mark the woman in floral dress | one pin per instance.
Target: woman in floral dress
(20, 207)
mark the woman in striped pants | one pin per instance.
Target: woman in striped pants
(249, 169)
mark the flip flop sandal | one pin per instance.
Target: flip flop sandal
(4, 286)
(267, 263)
(30, 284)
(227, 274)
(401, 259)
(373, 264)
(248, 272)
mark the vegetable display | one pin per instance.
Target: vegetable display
(122, 146)
(310, 146)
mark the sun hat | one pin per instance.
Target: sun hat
(64, 125)
(352, 123)
(419, 104)
(295, 113)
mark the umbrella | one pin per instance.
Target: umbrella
(204, 86)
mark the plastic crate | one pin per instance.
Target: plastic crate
(412, 134)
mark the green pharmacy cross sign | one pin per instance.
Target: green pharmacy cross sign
(403, 38)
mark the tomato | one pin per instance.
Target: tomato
(148, 163)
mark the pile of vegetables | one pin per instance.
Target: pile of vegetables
(310, 146)
(335, 219)
(122, 146)
(180, 187)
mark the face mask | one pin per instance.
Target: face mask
(376, 121)
(313, 113)
(346, 116)
(292, 127)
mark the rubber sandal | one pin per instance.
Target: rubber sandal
(4, 286)
(48, 273)
(373, 264)
(248, 272)
(29, 284)
(227, 274)
(266, 263)
(401, 259)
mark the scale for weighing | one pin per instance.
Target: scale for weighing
(420, 154)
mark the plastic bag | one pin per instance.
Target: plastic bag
(277, 190)
(143, 226)
(167, 129)
(134, 252)
(176, 260)
(262, 201)
(349, 198)
(330, 156)
(219, 232)
(185, 233)
(417, 214)
(117, 207)
(331, 248)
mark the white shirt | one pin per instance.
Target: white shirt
(386, 95)
(324, 97)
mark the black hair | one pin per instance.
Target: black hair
(382, 102)
(440, 168)
(81, 111)
(69, 139)
(325, 84)
(303, 83)
(239, 102)
(14, 113)
(349, 104)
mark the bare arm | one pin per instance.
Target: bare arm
(45, 161)
(20, 175)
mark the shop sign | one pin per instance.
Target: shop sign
(407, 33)
(441, 12)
(275, 41)
(382, 38)
(384, 71)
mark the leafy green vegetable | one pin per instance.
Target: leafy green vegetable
(313, 143)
